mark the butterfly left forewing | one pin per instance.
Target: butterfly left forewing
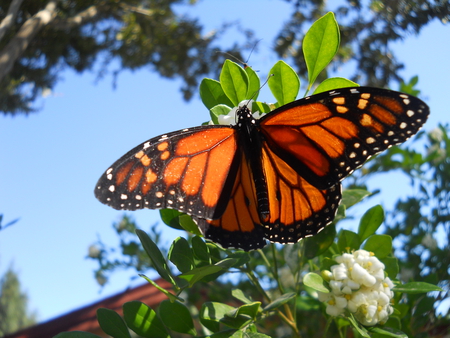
(184, 170)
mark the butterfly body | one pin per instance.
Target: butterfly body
(276, 178)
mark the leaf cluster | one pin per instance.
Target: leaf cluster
(368, 29)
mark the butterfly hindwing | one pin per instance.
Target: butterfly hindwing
(240, 225)
(297, 208)
(325, 137)
(184, 170)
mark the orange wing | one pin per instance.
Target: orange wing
(325, 137)
(187, 170)
(239, 226)
(297, 209)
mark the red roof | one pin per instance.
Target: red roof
(85, 319)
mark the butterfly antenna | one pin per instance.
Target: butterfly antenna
(245, 64)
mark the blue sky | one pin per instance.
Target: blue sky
(51, 160)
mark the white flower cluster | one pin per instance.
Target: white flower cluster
(358, 284)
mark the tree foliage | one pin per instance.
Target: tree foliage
(14, 314)
(38, 39)
(368, 30)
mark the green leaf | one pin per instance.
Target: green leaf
(197, 274)
(334, 83)
(251, 310)
(283, 299)
(242, 316)
(387, 332)
(212, 94)
(156, 256)
(348, 240)
(254, 84)
(261, 107)
(318, 244)
(370, 222)
(76, 334)
(237, 322)
(220, 109)
(169, 295)
(143, 320)
(255, 335)
(284, 84)
(181, 255)
(315, 281)
(189, 225)
(230, 333)
(417, 287)
(350, 197)
(320, 45)
(238, 294)
(380, 245)
(234, 82)
(112, 323)
(170, 217)
(176, 317)
(200, 250)
(211, 313)
(391, 266)
(361, 330)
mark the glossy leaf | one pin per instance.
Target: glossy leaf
(320, 45)
(220, 109)
(348, 240)
(212, 94)
(176, 317)
(391, 266)
(283, 299)
(382, 332)
(350, 197)
(197, 274)
(238, 294)
(112, 323)
(189, 225)
(181, 255)
(200, 250)
(380, 245)
(417, 287)
(315, 281)
(254, 84)
(170, 217)
(143, 320)
(284, 84)
(334, 83)
(169, 295)
(370, 222)
(318, 244)
(234, 82)
(76, 334)
(156, 256)
(211, 313)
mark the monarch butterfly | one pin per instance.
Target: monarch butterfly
(276, 178)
